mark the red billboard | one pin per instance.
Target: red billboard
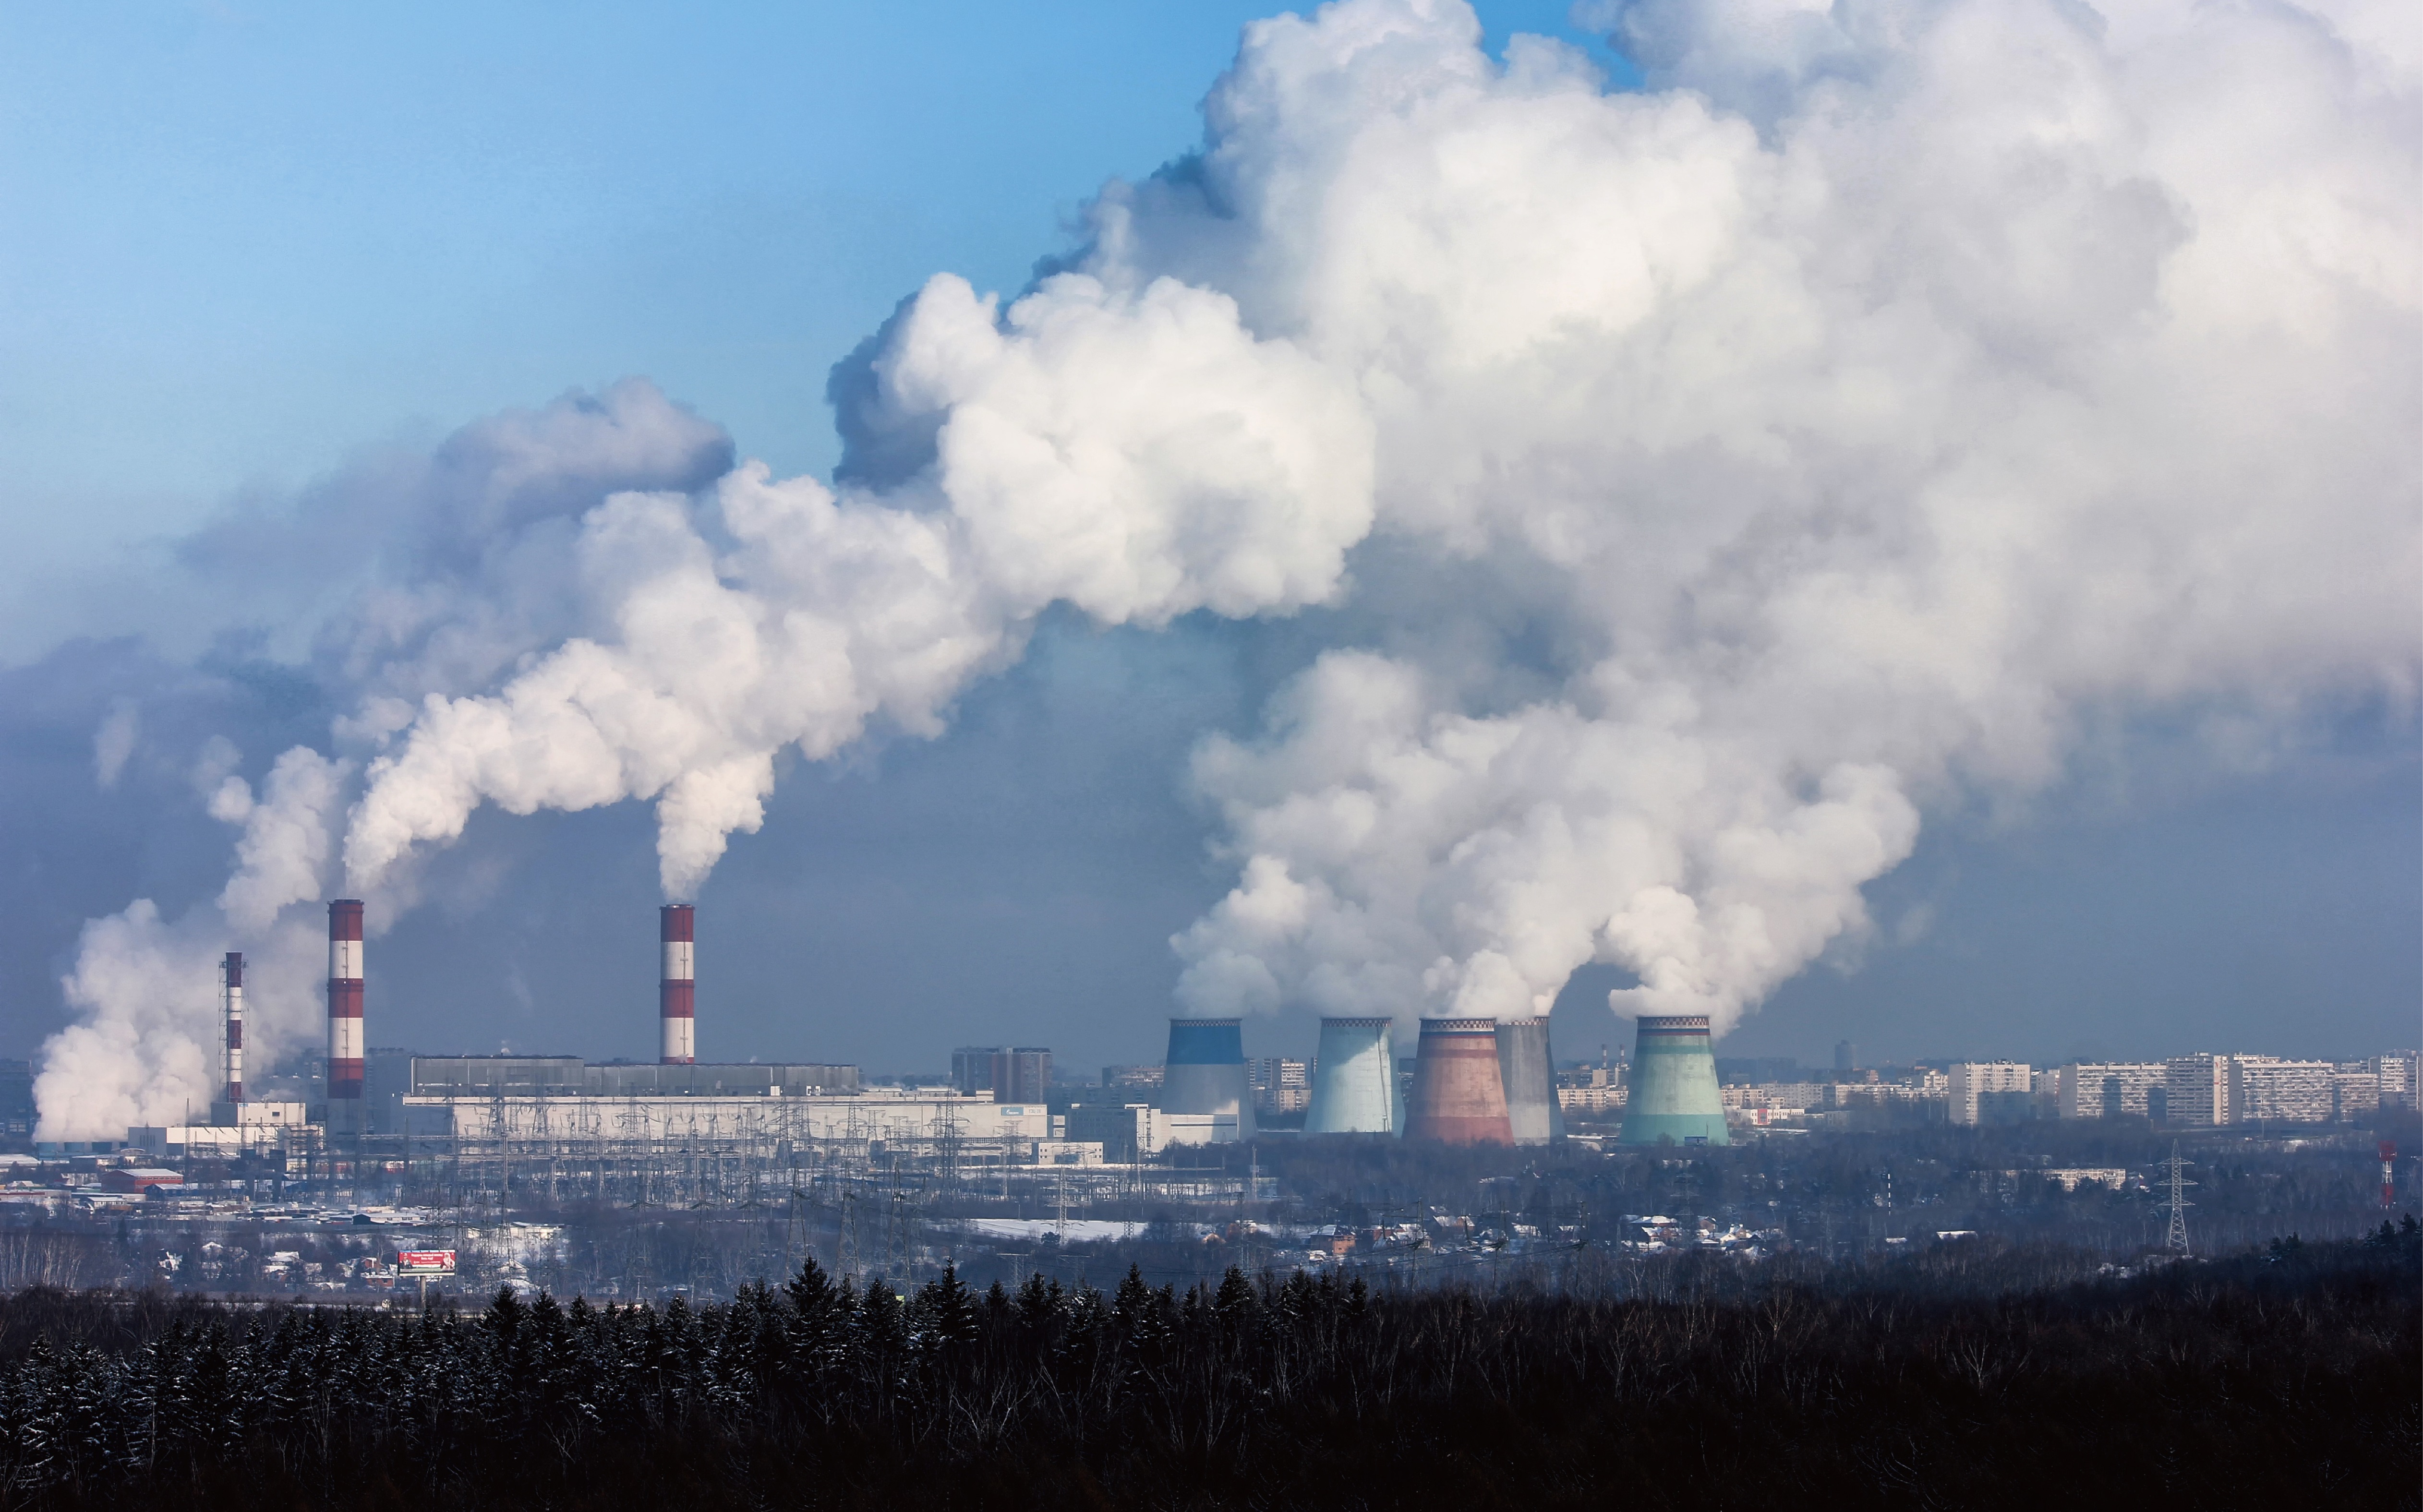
(424, 1262)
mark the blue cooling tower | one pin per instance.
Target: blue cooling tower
(1205, 1072)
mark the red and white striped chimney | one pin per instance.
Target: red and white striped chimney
(231, 1010)
(345, 1016)
(677, 989)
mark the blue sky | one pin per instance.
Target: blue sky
(242, 239)
(242, 243)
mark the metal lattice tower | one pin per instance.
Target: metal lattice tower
(2177, 1203)
(845, 1257)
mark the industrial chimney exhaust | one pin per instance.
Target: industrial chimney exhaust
(677, 988)
(345, 1016)
(231, 1016)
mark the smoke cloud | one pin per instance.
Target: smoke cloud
(1690, 487)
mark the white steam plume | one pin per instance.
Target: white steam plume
(1888, 383)
(1129, 449)
(146, 1049)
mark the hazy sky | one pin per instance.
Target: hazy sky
(260, 263)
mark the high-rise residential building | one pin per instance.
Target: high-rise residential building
(1989, 1092)
(972, 1068)
(1846, 1057)
(1280, 1086)
(2196, 1089)
(2355, 1091)
(16, 1100)
(2107, 1089)
(2397, 1073)
(2265, 1089)
(1023, 1075)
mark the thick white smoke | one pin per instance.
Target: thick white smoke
(1884, 387)
(1127, 448)
(1708, 478)
(404, 573)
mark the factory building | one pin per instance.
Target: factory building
(1354, 1083)
(1459, 1097)
(1674, 1094)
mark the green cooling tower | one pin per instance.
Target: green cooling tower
(1672, 1092)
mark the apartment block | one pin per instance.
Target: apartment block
(2196, 1089)
(1989, 1091)
(2106, 1089)
(2264, 1088)
(2396, 1075)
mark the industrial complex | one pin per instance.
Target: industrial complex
(682, 1130)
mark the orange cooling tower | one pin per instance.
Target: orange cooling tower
(1458, 1096)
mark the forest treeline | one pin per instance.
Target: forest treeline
(2288, 1376)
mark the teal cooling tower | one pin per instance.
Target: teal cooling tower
(1672, 1092)
(1354, 1090)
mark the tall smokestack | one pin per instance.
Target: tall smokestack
(345, 1016)
(1673, 1093)
(231, 1015)
(678, 990)
(1527, 1069)
(1458, 1098)
(1354, 1090)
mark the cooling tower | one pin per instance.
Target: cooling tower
(231, 1016)
(1672, 1091)
(1530, 1077)
(1205, 1074)
(345, 1016)
(1354, 1091)
(1458, 1098)
(677, 984)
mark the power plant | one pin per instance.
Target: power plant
(1203, 1082)
(1674, 1094)
(1527, 1069)
(1354, 1084)
(1458, 1098)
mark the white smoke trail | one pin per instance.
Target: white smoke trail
(1716, 474)
(1129, 449)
